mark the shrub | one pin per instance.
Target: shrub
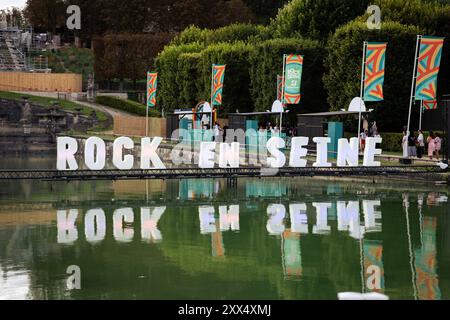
(234, 32)
(188, 79)
(167, 67)
(266, 61)
(343, 69)
(126, 105)
(392, 141)
(236, 93)
(315, 18)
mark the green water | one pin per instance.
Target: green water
(199, 239)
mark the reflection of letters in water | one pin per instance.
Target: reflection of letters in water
(348, 215)
(124, 221)
(228, 218)
(123, 225)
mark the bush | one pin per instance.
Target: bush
(392, 141)
(266, 61)
(231, 33)
(343, 70)
(126, 105)
(315, 19)
(167, 67)
(188, 79)
(236, 92)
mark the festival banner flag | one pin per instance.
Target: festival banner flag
(217, 83)
(292, 78)
(373, 266)
(425, 262)
(279, 87)
(152, 81)
(429, 61)
(429, 104)
(374, 71)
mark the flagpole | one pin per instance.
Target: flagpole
(146, 109)
(421, 111)
(212, 102)
(413, 87)
(283, 83)
(361, 93)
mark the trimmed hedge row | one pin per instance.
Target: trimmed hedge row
(126, 105)
(343, 70)
(250, 76)
(232, 33)
(266, 63)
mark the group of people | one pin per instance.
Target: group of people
(372, 132)
(414, 145)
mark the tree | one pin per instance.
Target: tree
(45, 15)
(263, 10)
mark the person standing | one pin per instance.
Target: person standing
(412, 145)
(363, 140)
(420, 144)
(405, 145)
(431, 145)
(216, 131)
(438, 145)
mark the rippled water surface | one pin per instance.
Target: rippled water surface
(199, 239)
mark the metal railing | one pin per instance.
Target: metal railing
(229, 173)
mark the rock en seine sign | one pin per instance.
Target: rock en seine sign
(228, 155)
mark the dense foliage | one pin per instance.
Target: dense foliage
(343, 64)
(315, 19)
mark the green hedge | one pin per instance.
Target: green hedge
(126, 105)
(392, 141)
(343, 70)
(167, 66)
(236, 88)
(315, 19)
(266, 61)
(188, 79)
(234, 32)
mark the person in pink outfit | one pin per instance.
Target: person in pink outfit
(438, 144)
(431, 145)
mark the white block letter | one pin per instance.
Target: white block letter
(148, 153)
(322, 152)
(122, 162)
(273, 145)
(66, 148)
(347, 152)
(370, 151)
(229, 155)
(95, 153)
(297, 152)
(206, 157)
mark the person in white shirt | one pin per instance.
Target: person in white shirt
(216, 131)
(420, 144)
(405, 145)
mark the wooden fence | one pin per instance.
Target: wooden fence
(50, 82)
(135, 126)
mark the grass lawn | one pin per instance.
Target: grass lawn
(47, 102)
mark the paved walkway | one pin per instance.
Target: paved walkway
(108, 110)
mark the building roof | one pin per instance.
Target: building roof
(330, 114)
